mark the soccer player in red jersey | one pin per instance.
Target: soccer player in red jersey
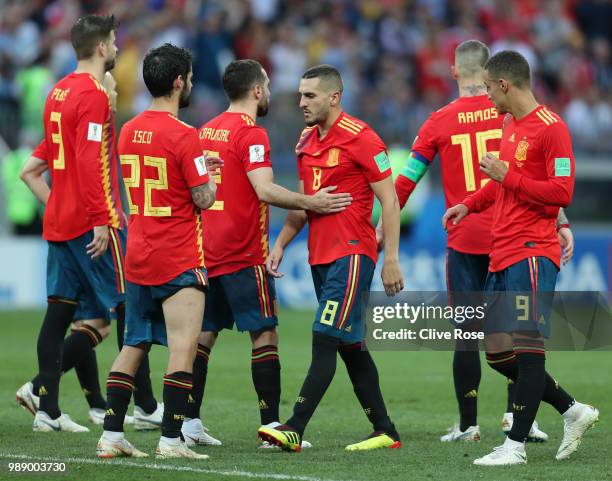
(340, 150)
(167, 183)
(235, 233)
(93, 322)
(532, 178)
(83, 209)
(461, 133)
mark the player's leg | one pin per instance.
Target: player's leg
(64, 284)
(325, 342)
(359, 364)
(183, 312)
(193, 429)
(465, 276)
(144, 326)
(253, 308)
(217, 316)
(147, 411)
(529, 287)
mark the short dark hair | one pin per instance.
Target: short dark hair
(161, 67)
(240, 76)
(89, 31)
(510, 65)
(327, 74)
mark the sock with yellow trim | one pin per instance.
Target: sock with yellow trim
(319, 377)
(177, 387)
(119, 387)
(531, 361)
(200, 370)
(49, 348)
(265, 369)
(143, 392)
(466, 378)
(87, 372)
(364, 377)
(78, 348)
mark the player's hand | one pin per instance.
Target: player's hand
(455, 213)
(97, 247)
(566, 239)
(213, 164)
(274, 260)
(493, 167)
(392, 277)
(380, 238)
(324, 202)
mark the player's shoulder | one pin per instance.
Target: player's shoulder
(356, 130)
(547, 119)
(176, 126)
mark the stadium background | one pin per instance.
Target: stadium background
(394, 56)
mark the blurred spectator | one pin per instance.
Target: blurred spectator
(22, 209)
(394, 55)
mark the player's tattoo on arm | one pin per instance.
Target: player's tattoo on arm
(203, 196)
(562, 218)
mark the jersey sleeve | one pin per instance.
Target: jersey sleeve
(191, 159)
(557, 190)
(41, 152)
(370, 153)
(254, 149)
(422, 153)
(482, 198)
(92, 153)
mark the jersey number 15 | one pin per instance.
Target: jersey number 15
(464, 140)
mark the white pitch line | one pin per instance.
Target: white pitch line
(160, 467)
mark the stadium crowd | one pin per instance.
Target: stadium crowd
(394, 57)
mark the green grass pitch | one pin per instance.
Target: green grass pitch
(416, 385)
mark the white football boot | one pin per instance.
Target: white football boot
(195, 433)
(577, 420)
(169, 448)
(114, 445)
(44, 424)
(472, 433)
(148, 422)
(27, 399)
(536, 435)
(511, 452)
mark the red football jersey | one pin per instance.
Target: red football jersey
(79, 145)
(461, 133)
(236, 226)
(540, 179)
(350, 156)
(161, 160)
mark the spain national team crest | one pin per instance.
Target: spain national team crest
(521, 152)
(332, 157)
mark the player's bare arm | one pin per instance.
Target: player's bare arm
(391, 273)
(566, 237)
(32, 176)
(204, 195)
(323, 202)
(454, 214)
(294, 223)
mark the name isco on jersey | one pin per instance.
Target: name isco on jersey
(477, 116)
